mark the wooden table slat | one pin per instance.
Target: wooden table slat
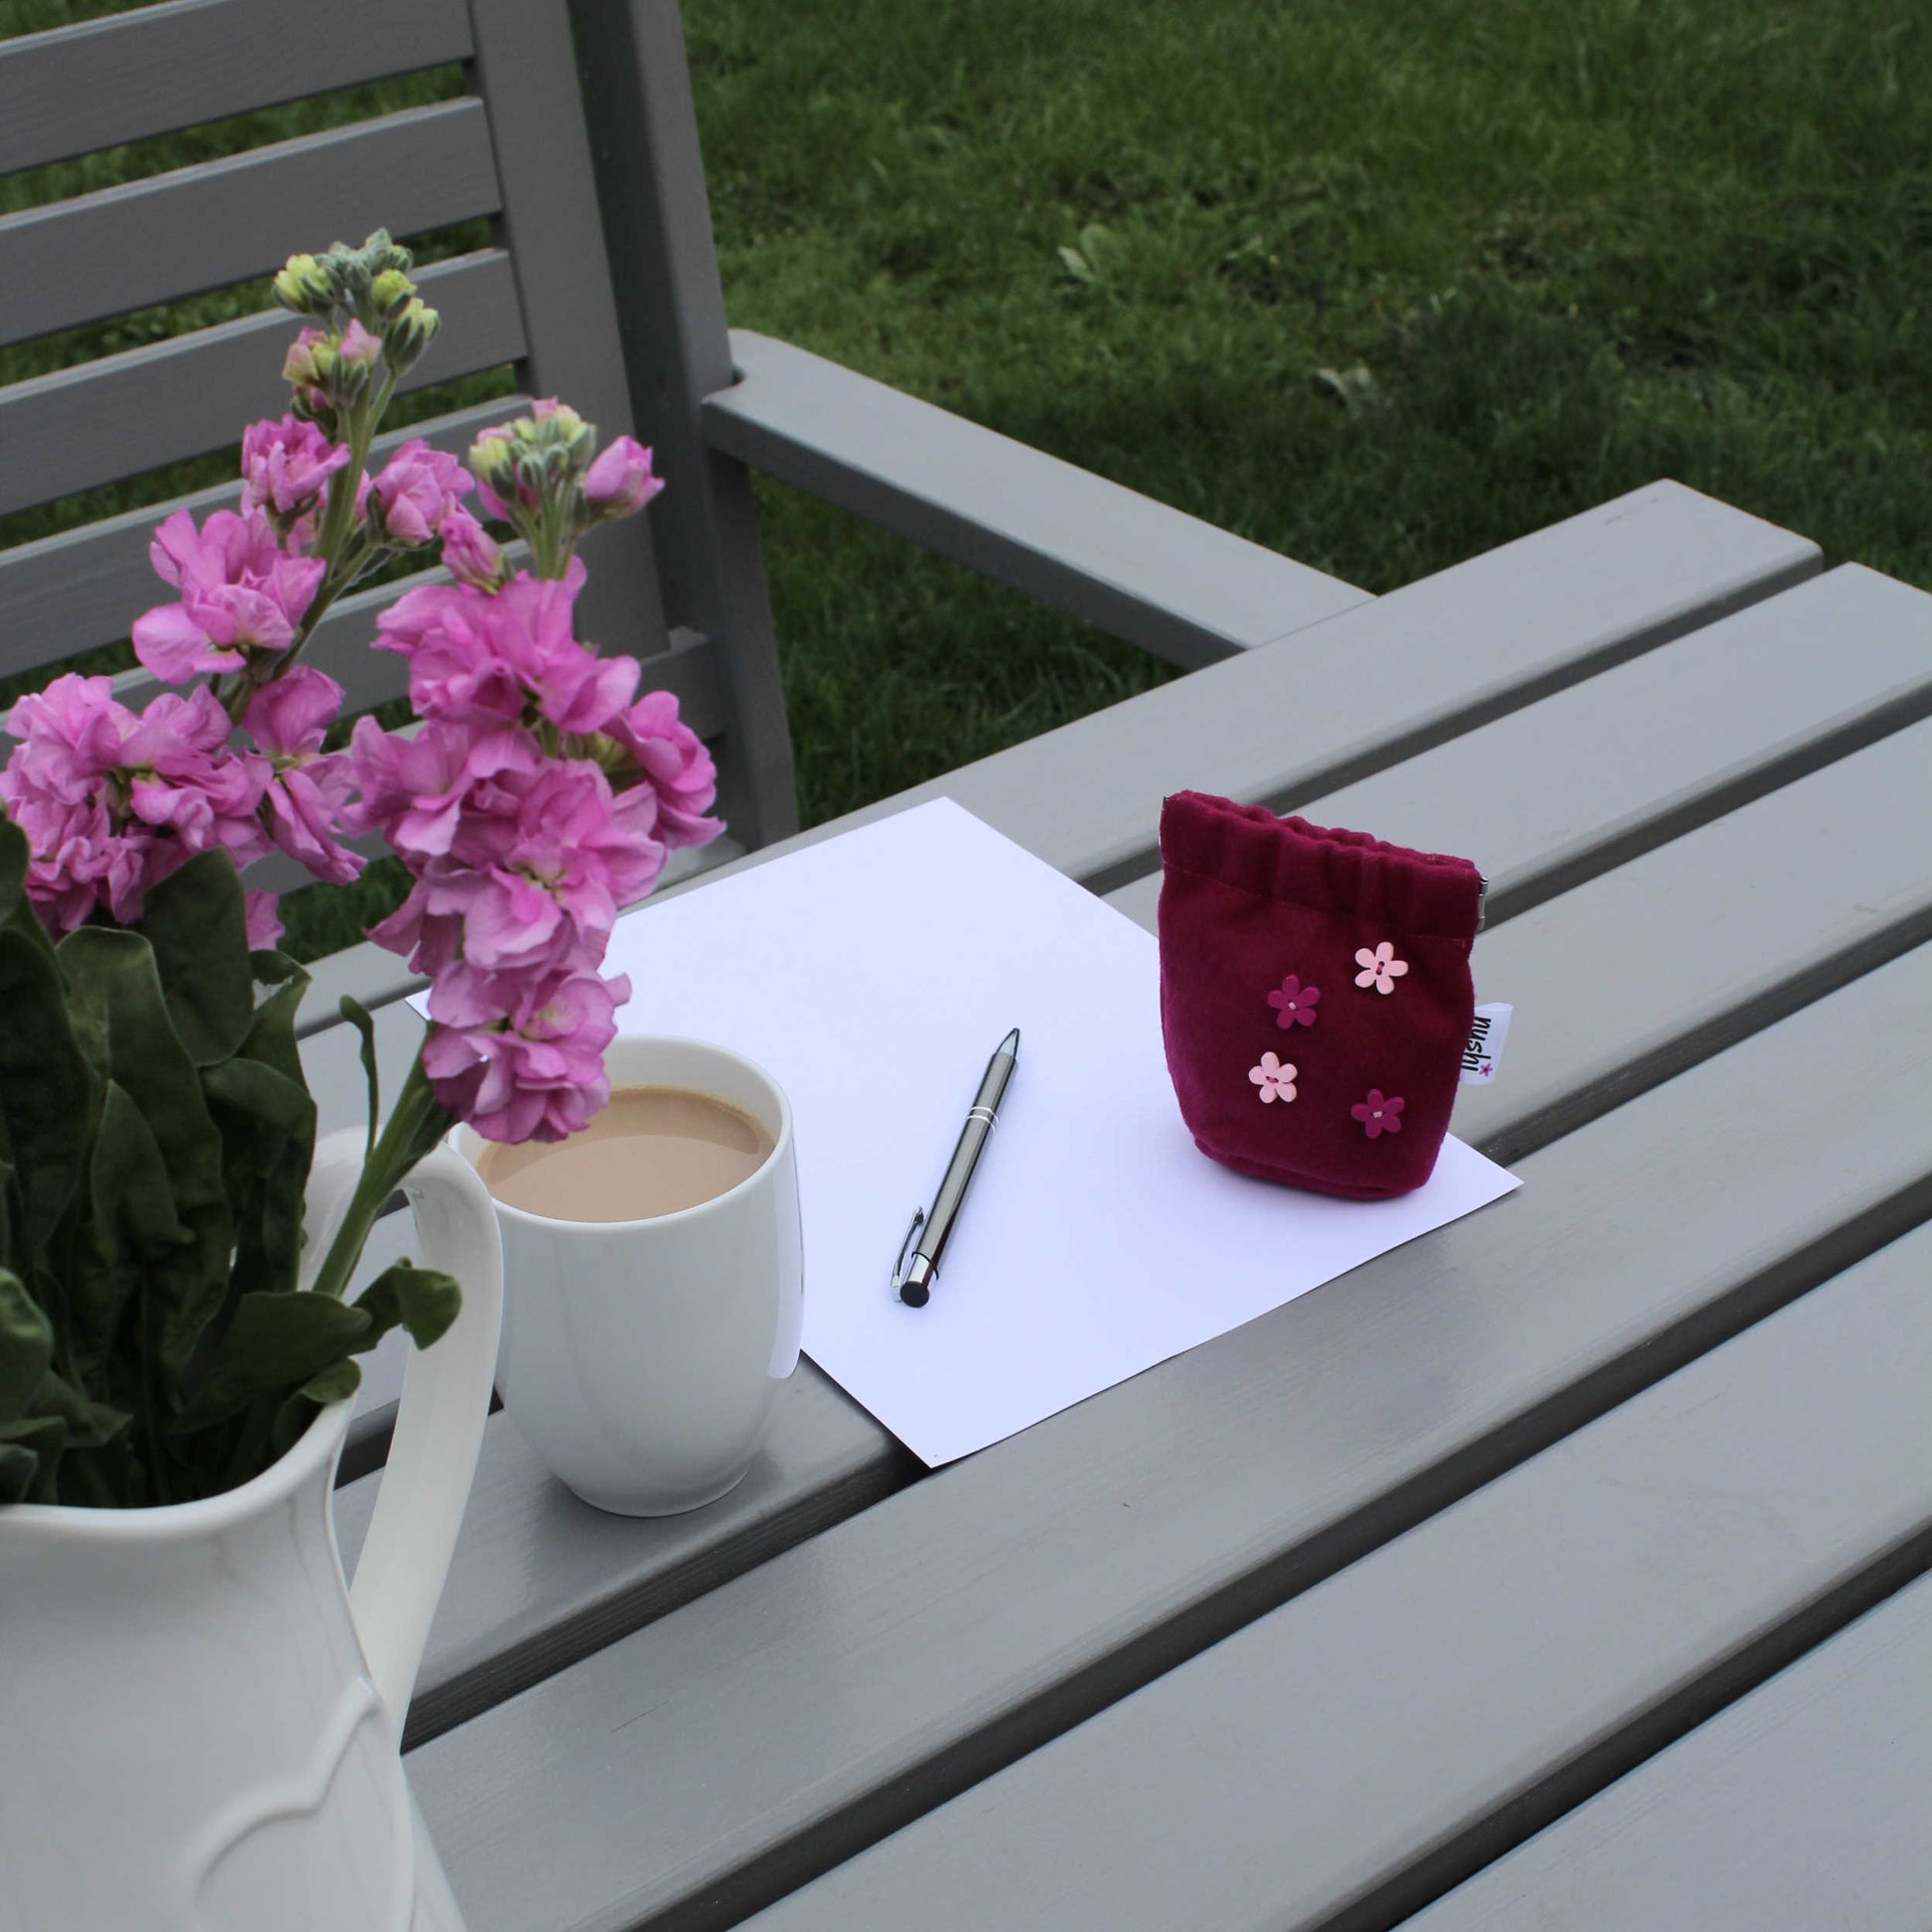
(1663, 961)
(1348, 1756)
(725, 1753)
(1595, 776)
(1806, 1804)
(540, 1578)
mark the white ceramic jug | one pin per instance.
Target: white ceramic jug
(199, 1723)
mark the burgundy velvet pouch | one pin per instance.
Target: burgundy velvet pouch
(1316, 995)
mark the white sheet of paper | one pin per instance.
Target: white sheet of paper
(872, 975)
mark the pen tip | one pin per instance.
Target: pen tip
(1010, 1044)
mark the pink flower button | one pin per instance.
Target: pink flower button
(1276, 1082)
(1378, 1114)
(1380, 968)
(1295, 1003)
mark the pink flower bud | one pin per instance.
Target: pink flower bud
(621, 481)
(470, 553)
(418, 487)
(286, 466)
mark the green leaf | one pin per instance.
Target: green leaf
(90, 1424)
(357, 1016)
(271, 1035)
(335, 1384)
(197, 926)
(112, 973)
(26, 1347)
(79, 1447)
(421, 1299)
(30, 1460)
(271, 968)
(275, 1342)
(268, 1132)
(49, 1093)
(17, 913)
(132, 1224)
(19, 1464)
(279, 1108)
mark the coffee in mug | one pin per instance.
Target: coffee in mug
(652, 1151)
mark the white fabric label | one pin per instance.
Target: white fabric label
(1485, 1052)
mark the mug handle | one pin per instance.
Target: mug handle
(440, 1419)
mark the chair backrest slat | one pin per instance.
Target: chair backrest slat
(525, 70)
(134, 75)
(133, 412)
(81, 587)
(223, 221)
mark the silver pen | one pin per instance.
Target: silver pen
(917, 1267)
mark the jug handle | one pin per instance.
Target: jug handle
(440, 1419)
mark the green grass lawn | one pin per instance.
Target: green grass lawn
(1377, 283)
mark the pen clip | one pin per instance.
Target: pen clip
(906, 1248)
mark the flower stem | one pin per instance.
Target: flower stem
(415, 1124)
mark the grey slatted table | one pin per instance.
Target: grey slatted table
(852, 1695)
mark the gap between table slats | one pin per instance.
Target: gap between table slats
(1802, 1804)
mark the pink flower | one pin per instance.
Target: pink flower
(673, 765)
(71, 736)
(239, 592)
(326, 370)
(470, 553)
(264, 920)
(473, 655)
(111, 801)
(1380, 968)
(182, 774)
(1295, 1003)
(540, 867)
(76, 859)
(359, 349)
(1378, 1114)
(1276, 1082)
(620, 480)
(308, 787)
(454, 672)
(521, 1058)
(411, 789)
(286, 466)
(416, 489)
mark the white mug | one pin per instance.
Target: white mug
(642, 1358)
